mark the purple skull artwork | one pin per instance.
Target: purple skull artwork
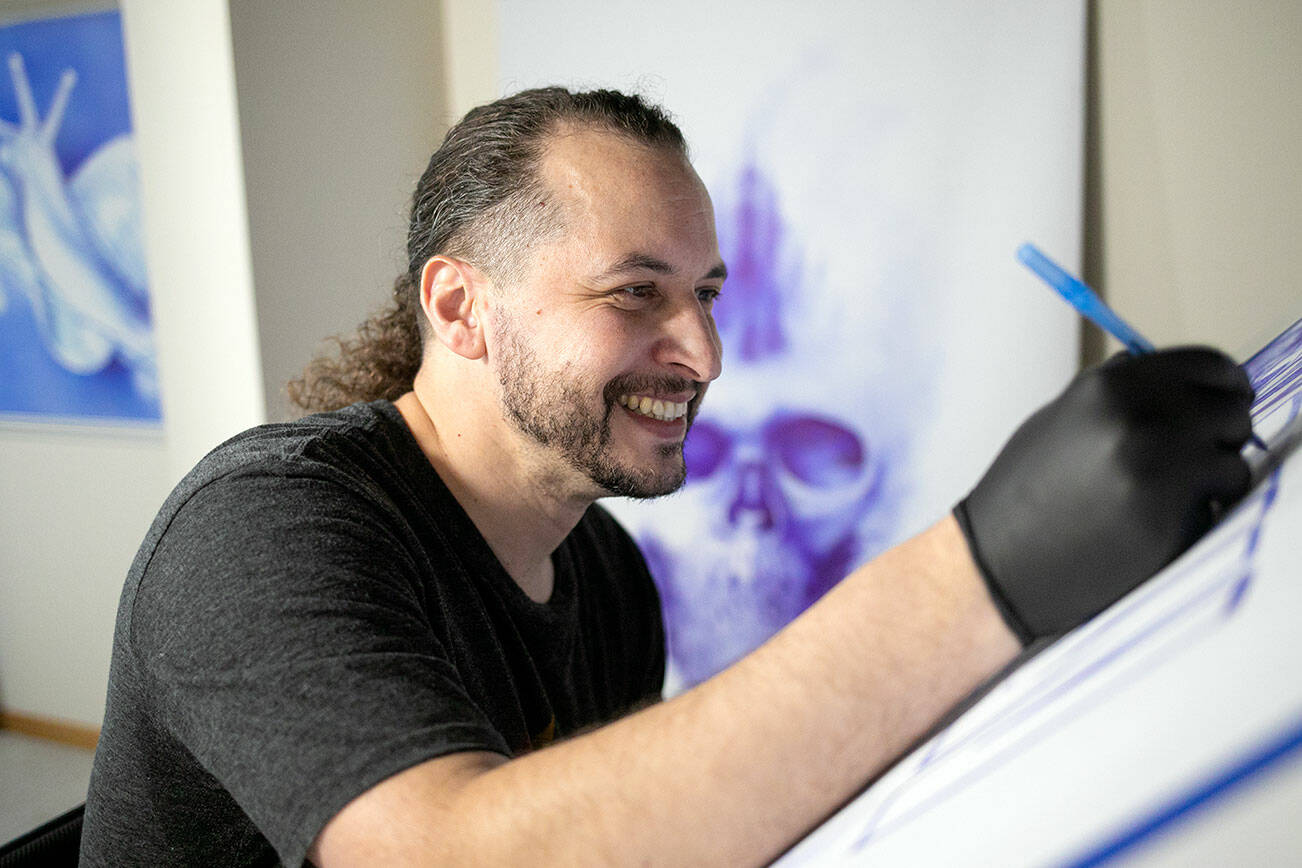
(872, 170)
(780, 477)
(784, 495)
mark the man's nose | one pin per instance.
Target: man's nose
(689, 342)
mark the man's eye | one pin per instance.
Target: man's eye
(635, 295)
(708, 294)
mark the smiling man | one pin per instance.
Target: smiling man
(402, 632)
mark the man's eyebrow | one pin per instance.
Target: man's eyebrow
(647, 262)
(638, 262)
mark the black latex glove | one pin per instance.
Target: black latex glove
(1108, 483)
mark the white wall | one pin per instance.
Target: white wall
(181, 75)
(308, 123)
(75, 506)
(78, 500)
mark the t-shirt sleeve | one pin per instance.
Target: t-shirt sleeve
(289, 643)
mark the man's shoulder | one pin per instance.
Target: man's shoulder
(357, 422)
(310, 502)
(357, 438)
(347, 457)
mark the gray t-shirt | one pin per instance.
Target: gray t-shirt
(312, 612)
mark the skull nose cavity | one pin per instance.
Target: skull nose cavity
(756, 501)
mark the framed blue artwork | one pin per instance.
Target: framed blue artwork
(76, 341)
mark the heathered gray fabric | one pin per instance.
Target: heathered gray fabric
(312, 612)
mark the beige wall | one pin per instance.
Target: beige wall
(470, 54)
(340, 105)
(1195, 227)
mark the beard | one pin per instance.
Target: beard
(553, 408)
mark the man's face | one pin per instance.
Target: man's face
(606, 345)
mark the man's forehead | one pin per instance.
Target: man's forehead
(587, 162)
(631, 206)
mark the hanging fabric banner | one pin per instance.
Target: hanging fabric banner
(874, 167)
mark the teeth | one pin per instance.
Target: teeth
(665, 411)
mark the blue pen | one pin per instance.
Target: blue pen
(1091, 307)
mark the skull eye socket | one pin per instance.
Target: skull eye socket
(816, 451)
(705, 450)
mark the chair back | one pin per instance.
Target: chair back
(50, 845)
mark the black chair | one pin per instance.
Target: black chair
(50, 845)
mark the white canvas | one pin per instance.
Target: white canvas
(1166, 731)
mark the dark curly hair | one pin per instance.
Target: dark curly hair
(480, 199)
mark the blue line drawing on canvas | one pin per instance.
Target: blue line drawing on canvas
(75, 328)
(1123, 643)
(1246, 769)
(1276, 375)
(1196, 596)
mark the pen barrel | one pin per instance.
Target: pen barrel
(1084, 299)
(1102, 316)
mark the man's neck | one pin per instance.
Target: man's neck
(520, 516)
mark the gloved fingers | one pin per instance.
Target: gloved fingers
(1231, 478)
(1221, 419)
(1154, 377)
(1200, 519)
(1223, 482)
(1231, 428)
(1198, 366)
(1214, 402)
(1181, 429)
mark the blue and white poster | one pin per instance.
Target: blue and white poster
(873, 167)
(76, 342)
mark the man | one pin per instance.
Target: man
(392, 633)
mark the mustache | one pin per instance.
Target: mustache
(627, 384)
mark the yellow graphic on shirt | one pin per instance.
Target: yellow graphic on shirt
(547, 736)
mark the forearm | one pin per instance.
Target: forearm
(744, 764)
(1091, 495)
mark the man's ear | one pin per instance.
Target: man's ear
(451, 295)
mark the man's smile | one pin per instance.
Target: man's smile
(656, 408)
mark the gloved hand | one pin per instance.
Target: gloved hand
(1108, 483)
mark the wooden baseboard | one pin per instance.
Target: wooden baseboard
(50, 729)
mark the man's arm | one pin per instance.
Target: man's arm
(1093, 494)
(737, 768)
